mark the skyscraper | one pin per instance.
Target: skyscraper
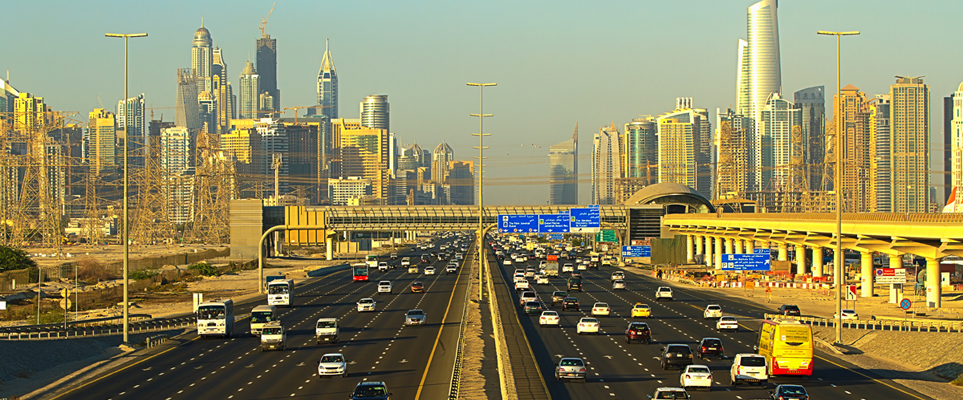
(640, 157)
(779, 122)
(440, 158)
(102, 138)
(948, 140)
(679, 144)
(201, 58)
(222, 94)
(765, 76)
(248, 82)
(909, 121)
(563, 171)
(186, 104)
(735, 174)
(374, 112)
(879, 149)
(363, 153)
(461, 183)
(606, 164)
(811, 101)
(328, 85)
(267, 66)
(131, 115)
(176, 163)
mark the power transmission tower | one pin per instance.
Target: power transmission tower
(151, 222)
(214, 185)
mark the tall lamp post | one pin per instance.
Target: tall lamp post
(481, 179)
(126, 36)
(838, 254)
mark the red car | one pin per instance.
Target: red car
(417, 287)
(638, 332)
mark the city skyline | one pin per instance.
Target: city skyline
(424, 72)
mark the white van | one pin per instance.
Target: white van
(327, 330)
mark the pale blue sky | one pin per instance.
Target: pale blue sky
(555, 62)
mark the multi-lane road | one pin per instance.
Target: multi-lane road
(620, 370)
(377, 346)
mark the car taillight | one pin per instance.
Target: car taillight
(560, 369)
(581, 369)
(703, 348)
(739, 370)
(687, 376)
(710, 377)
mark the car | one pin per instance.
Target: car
(451, 269)
(790, 309)
(541, 279)
(413, 269)
(640, 310)
(549, 318)
(712, 311)
(333, 364)
(750, 369)
(727, 323)
(710, 347)
(429, 270)
(696, 376)
(417, 287)
(507, 262)
(558, 296)
(619, 284)
(582, 267)
(394, 256)
(384, 287)
(532, 307)
(570, 368)
(638, 331)
(601, 309)
(366, 304)
(789, 392)
(669, 393)
(575, 284)
(570, 302)
(529, 272)
(370, 390)
(848, 314)
(415, 317)
(663, 293)
(676, 355)
(568, 267)
(406, 261)
(526, 297)
(521, 284)
(383, 266)
(587, 325)
(618, 276)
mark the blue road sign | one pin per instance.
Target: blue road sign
(905, 304)
(746, 262)
(761, 251)
(585, 220)
(518, 223)
(555, 236)
(636, 251)
(553, 223)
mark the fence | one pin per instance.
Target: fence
(904, 325)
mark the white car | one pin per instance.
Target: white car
(587, 325)
(617, 276)
(541, 279)
(619, 284)
(451, 269)
(530, 272)
(848, 314)
(669, 393)
(727, 324)
(549, 318)
(429, 270)
(712, 311)
(366, 304)
(601, 309)
(663, 292)
(582, 267)
(526, 297)
(384, 287)
(382, 266)
(521, 284)
(415, 317)
(507, 262)
(696, 376)
(568, 267)
(748, 368)
(333, 364)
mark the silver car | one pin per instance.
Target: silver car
(333, 364)
(570, 368)
(415, 317)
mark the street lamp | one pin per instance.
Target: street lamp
(126, 36)
(838, 256)
(481, 180)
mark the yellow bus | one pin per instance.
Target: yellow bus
(787, 346)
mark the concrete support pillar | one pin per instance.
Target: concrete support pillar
(866, 273)
(709, 250)
(750, 246)
(699, 242)
(800, 259)
(933, 288)
(738, 246)
(328, 248)
(818, 262)
(717, 257)
(728, 243)
(688, 249)
(783, 250)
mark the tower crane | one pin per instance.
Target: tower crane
(264, 21)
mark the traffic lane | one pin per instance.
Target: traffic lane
(829, 370)
(180, 361)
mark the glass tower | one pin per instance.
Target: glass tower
(563, 171)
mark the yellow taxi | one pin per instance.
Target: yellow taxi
(641, 311)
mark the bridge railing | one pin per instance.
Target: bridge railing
(882, 324)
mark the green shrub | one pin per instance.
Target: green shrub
(13, 259)
(143, 274)
(204, 269)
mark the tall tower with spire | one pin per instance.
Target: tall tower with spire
(201, 58)
(248, 82)
(328, 85)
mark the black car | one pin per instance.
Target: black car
(570, 302)
(710, 347)
(532, 308)
(789, 309)
(370, 391)
(789, 392)
(678, 355)
(575, 284)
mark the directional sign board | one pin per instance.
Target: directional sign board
(746, 262)
(518, 223)
(555, 236)
(761, 251)
(585, 220)
(850, 292)
(887, 276)
(553, 223)
(636, 251)
(606, 236)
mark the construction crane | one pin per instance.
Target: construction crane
(152, 108)
(264, 21)
(301, 108)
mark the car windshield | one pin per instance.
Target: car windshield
(711, 342)
(385, 283)
(332, 359)
(571, 300)
(271, 331)
(278, 289)
(370, 391)
(713, 308)
(415, 313)
(550, 314)
(753, 362)
(698, 370)
(571, 363)
(672, 394)
(562, 294)
(639, 327)
(677, 349)
(327, 324)
(792, 390)
(590, 320)
(601, 305)
(262, 316)
(728, 319)
(531, 304)
(366, 301)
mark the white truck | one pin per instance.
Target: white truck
(551, 269)
(273, 336)
(326, 330)
(280, 292)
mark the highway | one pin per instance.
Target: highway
(377, 346)
(620, 370)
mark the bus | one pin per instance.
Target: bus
(215, 318)
(261, 315)
(787, 346)
(372, 261)
(280, 292)
(359, 272)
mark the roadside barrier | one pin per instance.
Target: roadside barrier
(456, 371)
(72, 332)
(883, 324)
(155, 341)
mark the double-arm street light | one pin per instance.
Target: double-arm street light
(839, 272)
(126, 36)
(481, 180)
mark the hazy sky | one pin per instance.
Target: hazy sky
(556, 62)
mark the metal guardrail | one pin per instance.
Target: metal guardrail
(97, 330)
(157, 340)
(455, 385)
(882, 324)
